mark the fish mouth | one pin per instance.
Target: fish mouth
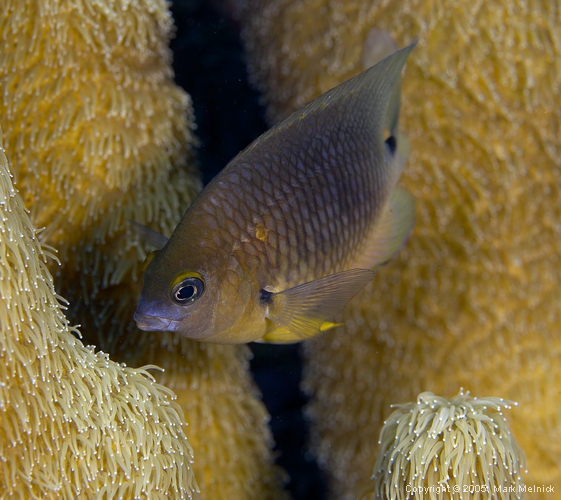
(151, 323)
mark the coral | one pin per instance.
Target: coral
(473, 299)
(74, 423)
(460, 447)
(227, 422)
(101, 134)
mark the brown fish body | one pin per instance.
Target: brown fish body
(301, 203)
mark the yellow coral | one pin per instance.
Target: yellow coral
(227, 421)
(439, 448)
(99, 130)
(473, 299)
(74, 423)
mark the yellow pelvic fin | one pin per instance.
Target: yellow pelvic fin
(306, 310)
(282, 335)
(278, 335)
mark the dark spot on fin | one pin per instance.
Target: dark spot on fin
(265, 297)
(392, 144)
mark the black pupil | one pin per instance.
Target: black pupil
(186, 292)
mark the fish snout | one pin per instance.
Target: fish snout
(151, 323)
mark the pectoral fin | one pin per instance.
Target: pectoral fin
(306, 310)
(394, 227)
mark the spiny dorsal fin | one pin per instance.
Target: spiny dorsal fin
(149, 236)
(306, 310)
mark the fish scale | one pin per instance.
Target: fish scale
(291, 229)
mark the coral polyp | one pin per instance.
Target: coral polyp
(74, 423)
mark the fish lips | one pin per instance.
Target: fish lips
(152, 323)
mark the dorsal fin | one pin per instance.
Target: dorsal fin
(378, 45)
(377, 86)
(149, 236)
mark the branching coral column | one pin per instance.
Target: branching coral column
(227, 422)
(99, 130)
(74, 423)
(473, 300)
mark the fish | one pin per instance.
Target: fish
(293, 227)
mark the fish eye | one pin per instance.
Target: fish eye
(187, 289)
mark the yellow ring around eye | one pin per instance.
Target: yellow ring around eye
(184, 275)
(149, 258)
